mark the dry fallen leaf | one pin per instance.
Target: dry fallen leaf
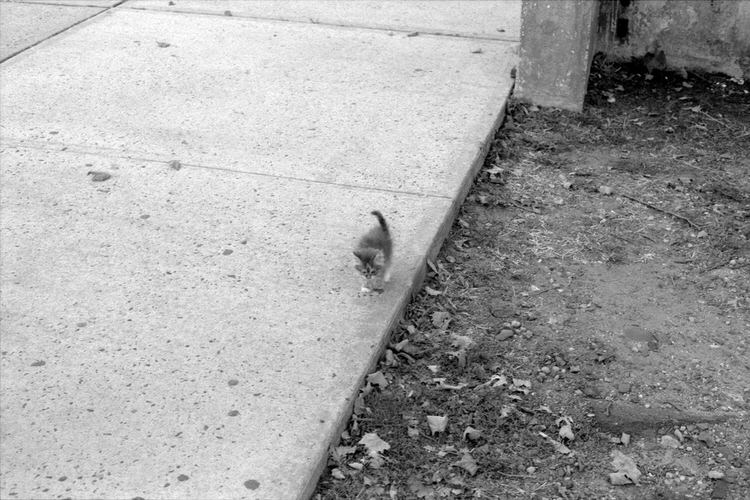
(376, 461)
(521, 385)
(377, 379)
(374, 444)
(627, 471)
(342, 451)
(559, 447)
(433, 267)
(437, 423)
(461, 342)
(566, 429)
(467, 463)
(440, 319)
(432, 291)
(450, 387)
(419, 489)
(472, 434)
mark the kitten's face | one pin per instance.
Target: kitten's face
(368, 265)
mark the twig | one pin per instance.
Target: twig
(654, 207)
(714, 119)
(518, 205)
(674, 405)
(699, 76)
(719, 264)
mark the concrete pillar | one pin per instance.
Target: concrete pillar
(557, 41)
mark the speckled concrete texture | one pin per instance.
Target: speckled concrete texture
(352, 104)
(73, 3)
(195, 329)
(131, 306)
(487, 19)
(24, 24)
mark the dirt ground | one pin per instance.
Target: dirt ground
(585, 330)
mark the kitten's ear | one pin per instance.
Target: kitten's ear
(358, 254)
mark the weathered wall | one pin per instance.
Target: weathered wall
(712, 35)
(557, 41)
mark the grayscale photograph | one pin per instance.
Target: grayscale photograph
(374, 249)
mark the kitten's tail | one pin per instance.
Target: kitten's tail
(381, 220)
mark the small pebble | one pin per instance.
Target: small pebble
(505, 334)
(99, 176)
(669, 442)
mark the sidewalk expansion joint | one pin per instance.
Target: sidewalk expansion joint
(78, 5)
(118, 154)
(313, 21)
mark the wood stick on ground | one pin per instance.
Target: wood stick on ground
(654, 207)
(719, 264)
(614, 416)
(720, 122)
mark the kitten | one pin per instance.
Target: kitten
(374, 252)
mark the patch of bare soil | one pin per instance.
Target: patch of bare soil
(585, 328)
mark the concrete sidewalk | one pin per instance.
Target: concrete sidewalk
(198, 332)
